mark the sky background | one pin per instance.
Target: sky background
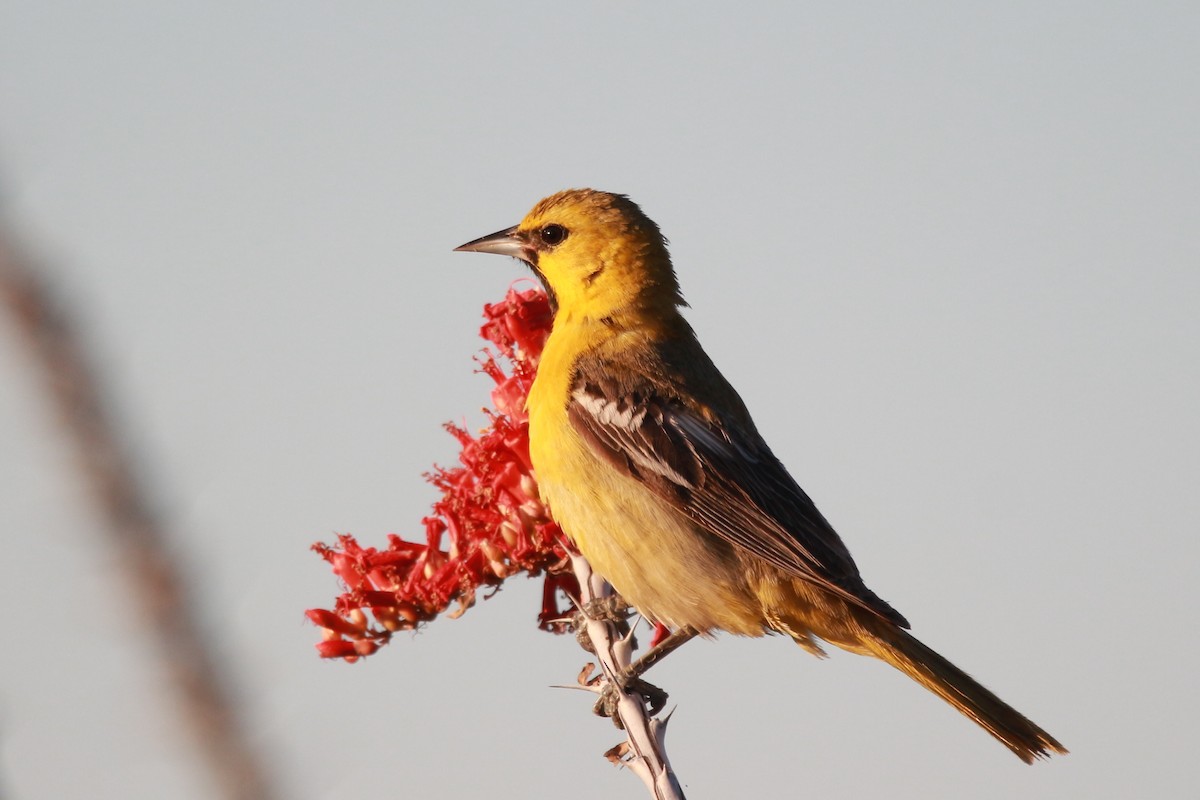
(948, 253)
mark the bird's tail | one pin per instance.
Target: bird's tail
(960, 690)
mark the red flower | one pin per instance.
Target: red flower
(489, 524)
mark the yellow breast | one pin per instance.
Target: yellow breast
(648, 550)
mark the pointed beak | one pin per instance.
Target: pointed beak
(503, 243)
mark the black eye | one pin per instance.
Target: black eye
(552, 234)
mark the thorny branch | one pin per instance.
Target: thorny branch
(644, 751)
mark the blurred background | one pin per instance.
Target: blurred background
(948, 253)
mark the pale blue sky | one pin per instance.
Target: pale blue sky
(948, 254)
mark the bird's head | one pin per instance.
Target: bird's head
(596, 253)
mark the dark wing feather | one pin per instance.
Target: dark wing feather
(720, 474)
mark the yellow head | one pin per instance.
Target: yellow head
(596, 253)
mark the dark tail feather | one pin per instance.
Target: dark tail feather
(960, 690)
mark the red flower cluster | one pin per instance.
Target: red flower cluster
(489, 524)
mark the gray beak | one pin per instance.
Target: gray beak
(503, 243)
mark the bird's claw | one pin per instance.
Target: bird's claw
(610, 696)
(611, 608)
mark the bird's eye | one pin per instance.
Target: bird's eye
(553, 234)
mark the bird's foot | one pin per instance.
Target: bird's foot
(654, 698)
(610, 608)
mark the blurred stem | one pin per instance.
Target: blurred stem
(647, 754)
(134, 530)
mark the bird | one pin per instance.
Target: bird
(649, 461)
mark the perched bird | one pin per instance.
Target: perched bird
(650, 462)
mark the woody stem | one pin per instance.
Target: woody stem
(645, 735)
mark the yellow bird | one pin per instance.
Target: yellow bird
(650, 462)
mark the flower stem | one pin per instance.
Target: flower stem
(645, 735)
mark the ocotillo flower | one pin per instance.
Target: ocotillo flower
(489, 524)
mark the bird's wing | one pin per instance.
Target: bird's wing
(722, 476)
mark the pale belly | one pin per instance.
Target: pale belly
(652, 555)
